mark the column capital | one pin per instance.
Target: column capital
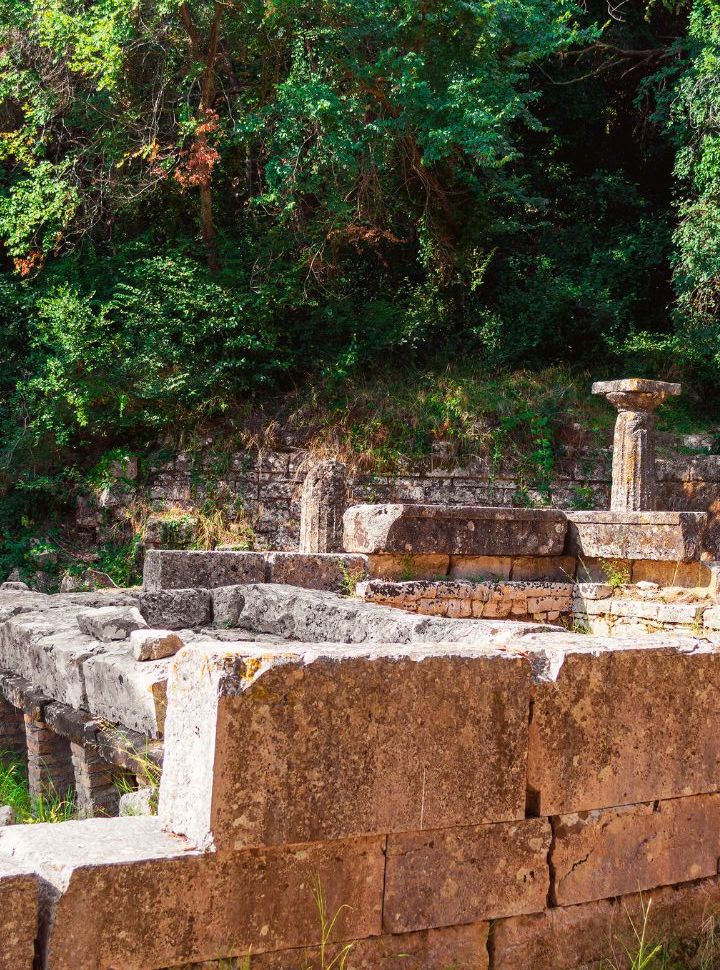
(636, 393)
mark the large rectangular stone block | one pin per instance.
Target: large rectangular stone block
(442, 878)
(616, 851)
(18, 915)
(449, 948)
(181, 569)
(124, 894)
(123, 691)
(636, 535)
(331, 571)
(616, 726)
(271, 746)
(461, 530)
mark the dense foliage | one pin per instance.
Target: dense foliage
(203, 201)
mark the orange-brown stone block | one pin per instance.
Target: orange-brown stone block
(18, 916)
(602, 933)
(625, 726)
(126, 895)
(613, 852)
(266, 748)
(462, 875)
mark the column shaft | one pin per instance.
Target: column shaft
(633, 470)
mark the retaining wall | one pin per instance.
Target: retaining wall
(267, 486)
(473, 807)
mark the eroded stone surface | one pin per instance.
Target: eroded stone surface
(176, 609)
(344, 741)
(132, 896)
(109, 623)
(613, 852)
(328, 571)
(455, 530)
(18, 915)
(673, 536)
(181, 569)
(323, 502)
(461, 875)
(154, 644)
(620, 726)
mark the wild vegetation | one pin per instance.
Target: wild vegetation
(208, 208)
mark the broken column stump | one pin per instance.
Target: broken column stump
(324, 498)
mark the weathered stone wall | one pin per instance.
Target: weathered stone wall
(471, 807)
(267, 488)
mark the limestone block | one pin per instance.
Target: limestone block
(140, 802)
(593, 591)
(480, 568)
(15, 587)
(123, 691)
(176, 609)
(108, 623)
(711, 618)
(18, 915)
(315, 616)
(618, 726)
(180, 569)
(7, 815)
(636, 535)
(154, 644)
(338, 573)
(442, 878)
(456, 947)
(408, 567)
(467, 530)
(446, 727)
(617, 851)
(559, 569)
(638, 609)
(125, 894)
(48, 651)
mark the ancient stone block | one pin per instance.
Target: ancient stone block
(108, 623)
(140, 802)
(467, 530)
(480, 568)
(123, 691)
(636, 535)
(338, 573)
(559, 569)
(561, 938)
(616, 851)
(671, 573)
(324, 499)
(125, 894)
(440, 878)
(449, 948)
(154, 644)
(18, 915)
(176, 609)
(179, 569)
(446, 727)
(598, 728)
(408, 567)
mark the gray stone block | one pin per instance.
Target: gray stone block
(661, 536)
(176, 609)
(179, 569)
(463, 530)
(109, 623)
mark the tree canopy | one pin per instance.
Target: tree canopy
(201, 201)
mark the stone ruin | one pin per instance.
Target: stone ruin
(489, 734)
